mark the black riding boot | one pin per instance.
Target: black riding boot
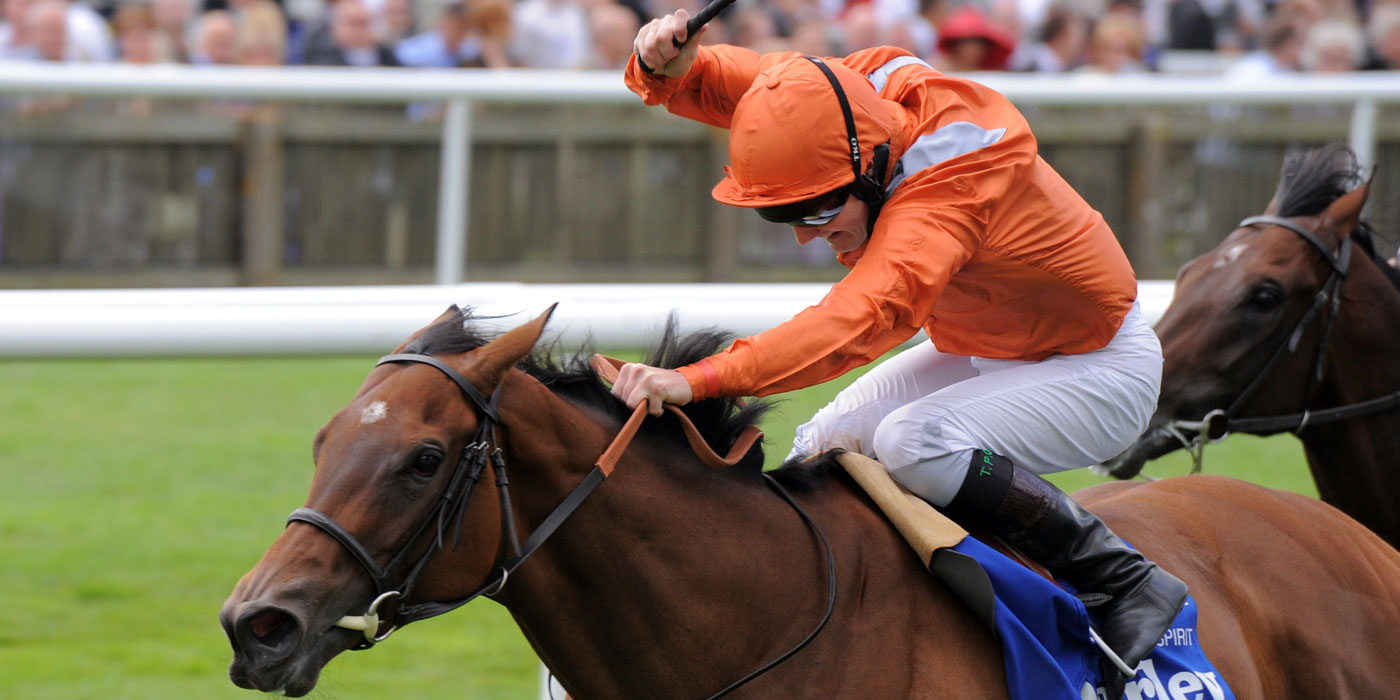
(1032, 515)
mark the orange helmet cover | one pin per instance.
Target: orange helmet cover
(787, 139)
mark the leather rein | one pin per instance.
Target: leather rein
(1219, 423)
(446, 516)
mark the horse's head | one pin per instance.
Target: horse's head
(1249, 319)
(382, 514)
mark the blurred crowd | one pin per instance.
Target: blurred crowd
(1241, 37)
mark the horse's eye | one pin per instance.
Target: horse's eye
(427, 463)
(1264, 298)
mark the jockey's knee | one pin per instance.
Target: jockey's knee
(930, 468)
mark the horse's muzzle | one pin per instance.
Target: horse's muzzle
(266, 640)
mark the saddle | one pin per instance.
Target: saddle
(1044, 628)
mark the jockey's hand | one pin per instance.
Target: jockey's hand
(655, 45)
(637, 383)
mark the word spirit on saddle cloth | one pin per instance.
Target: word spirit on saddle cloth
(1045, 636)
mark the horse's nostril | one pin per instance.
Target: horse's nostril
(271, 627)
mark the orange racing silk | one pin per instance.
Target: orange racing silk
(980, 242)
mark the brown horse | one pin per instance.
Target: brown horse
(1282, 327)
(673, 579)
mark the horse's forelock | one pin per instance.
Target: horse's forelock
(1313, 179)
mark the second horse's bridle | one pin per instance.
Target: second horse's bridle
(1219, 423)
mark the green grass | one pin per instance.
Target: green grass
(134, 493)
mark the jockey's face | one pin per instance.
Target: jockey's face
(844, 233)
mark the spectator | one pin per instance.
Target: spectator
(1062, 43)
(914, 35)
(14, 34)
(137, 39)
(1281, 51)
(315, 36)
(1189, 26)
(89, 38)
(754, 27)
(1117, 45)
(47, 25)
(859, 28)
(444, 46)
(613, 27)
(813, 38)
(1383, 32)
(172, 23)
(1334, 46)
(549, 34)
(969, 41)
(138, 43)
(352, 35)
(261, 35)
(490, 27)
(212, 41)
(395, 22)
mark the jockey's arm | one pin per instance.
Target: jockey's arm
(703, 83)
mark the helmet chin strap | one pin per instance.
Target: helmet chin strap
(868, 186)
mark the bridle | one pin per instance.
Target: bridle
(451, 508)
(1219, 423)
(447, 514)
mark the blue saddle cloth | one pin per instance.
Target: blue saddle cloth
(1044, 632)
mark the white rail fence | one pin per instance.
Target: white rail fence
(365, 320)
(461, 89)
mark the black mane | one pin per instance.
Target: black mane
(570, 376)
(1313, 179)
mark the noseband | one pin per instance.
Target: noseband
(1219, 423)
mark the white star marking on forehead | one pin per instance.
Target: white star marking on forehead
(374, 412)
(1230, 255)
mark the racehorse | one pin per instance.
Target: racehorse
(672, 579)
(1292, 323)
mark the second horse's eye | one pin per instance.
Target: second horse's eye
(1265, 298)
(427, 463)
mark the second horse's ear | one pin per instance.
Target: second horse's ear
(1343, 215)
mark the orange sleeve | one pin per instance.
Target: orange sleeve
(885, 299)
(708, 93)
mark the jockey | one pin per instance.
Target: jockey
(930, 190)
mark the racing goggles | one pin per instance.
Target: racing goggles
(817, 211)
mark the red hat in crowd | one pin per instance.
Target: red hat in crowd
(968, 22)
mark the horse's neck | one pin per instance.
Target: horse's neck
(674, 580)
(1353, 460)
(667, 561)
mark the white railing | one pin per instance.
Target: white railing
(365, 320)
(460, 89)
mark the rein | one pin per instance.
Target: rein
(451, 508)
(1217, 424)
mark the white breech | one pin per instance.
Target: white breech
(923, 412)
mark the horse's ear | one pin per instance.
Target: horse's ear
(451, 312)
(490, 362)
(1272, 209)
(1343, 215)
